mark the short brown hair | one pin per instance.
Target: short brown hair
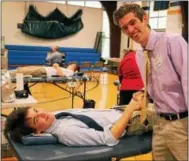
(127, 8)
(16, 124)
(77, 67)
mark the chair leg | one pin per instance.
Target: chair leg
(96, 75)
(90, 73)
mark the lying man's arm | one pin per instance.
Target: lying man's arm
(58, 69)
(84, 136)
(119, 127)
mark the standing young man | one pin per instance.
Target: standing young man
(167, 82)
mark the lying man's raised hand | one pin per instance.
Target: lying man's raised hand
(55, 65)
(138, 95)
(137, 100)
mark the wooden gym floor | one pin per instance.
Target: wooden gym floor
(104, 94)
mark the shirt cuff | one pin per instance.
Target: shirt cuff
(109, 138)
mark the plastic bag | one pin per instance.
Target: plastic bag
(7, 88)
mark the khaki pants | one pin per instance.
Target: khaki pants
(29, 70)
(170, 140)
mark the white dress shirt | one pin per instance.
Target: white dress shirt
(73, 132)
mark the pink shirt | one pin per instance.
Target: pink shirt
(168, 81)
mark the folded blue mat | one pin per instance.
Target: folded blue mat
(39, 139)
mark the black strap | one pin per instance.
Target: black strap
(85, 119)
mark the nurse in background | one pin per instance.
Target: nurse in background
(129, 77)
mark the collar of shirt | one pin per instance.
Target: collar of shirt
(153, 37)
(53, 126)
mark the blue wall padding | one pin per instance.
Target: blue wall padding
(45, 48)
(35, 55)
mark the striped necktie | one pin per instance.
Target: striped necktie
(85, 119)
(147, 72)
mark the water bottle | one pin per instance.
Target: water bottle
(19, 82)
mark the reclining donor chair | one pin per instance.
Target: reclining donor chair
(46, 148)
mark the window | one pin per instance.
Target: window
(105, 36)
(61, 2)
(158, 19)
(77, 3)
(93, 4)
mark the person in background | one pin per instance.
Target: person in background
(38, 71)
(129, 77)
(168, 81)
(55, 56)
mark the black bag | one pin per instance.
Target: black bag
(89, 104)
(54, 25)
(21, 94)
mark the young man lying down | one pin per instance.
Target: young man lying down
(38, 71)
(71, 131)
